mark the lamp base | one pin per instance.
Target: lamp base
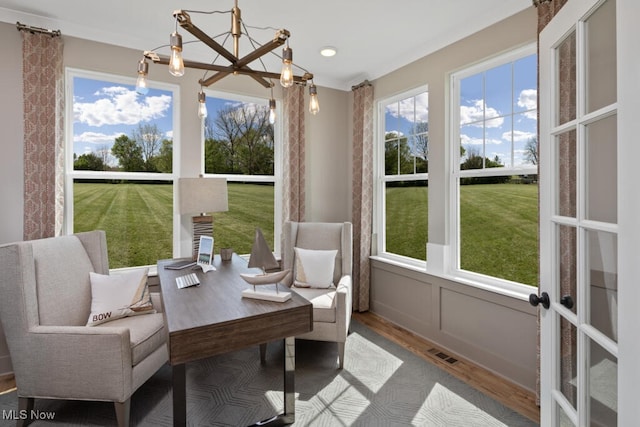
(267, 295)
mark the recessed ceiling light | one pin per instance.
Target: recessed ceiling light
(328, 51)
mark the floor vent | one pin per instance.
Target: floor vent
(441, 355)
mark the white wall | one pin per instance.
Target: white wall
(11, 161)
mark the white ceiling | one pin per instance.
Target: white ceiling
(373, 37)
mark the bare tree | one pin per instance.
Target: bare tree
(244, 139)
(104, 153)
(531, 150)
(149, 139)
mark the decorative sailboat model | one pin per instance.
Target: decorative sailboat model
(262, 257)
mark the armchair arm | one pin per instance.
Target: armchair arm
(75, 362)
(344, 292)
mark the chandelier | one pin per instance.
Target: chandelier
(236, 64)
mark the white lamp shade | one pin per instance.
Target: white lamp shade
(202, 195)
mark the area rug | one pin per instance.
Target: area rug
(382, 384)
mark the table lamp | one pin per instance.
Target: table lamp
(202, 196)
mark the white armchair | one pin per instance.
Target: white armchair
(45, 301)
(331, 306)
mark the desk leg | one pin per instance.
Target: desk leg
(289, 383)
(179, 395)
(289, 416)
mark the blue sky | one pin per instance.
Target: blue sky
(497, 113)
(102, 111)
(496, 124)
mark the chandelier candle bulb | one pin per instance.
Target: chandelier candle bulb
(176, 64)
(286, 77)
(314, 106)
(272, 111)
(141, 84)
(202, 105)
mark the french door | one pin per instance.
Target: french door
(581, 188)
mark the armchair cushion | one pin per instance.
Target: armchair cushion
(323, 301)
(314, 268)
(119, 295)
(146, 334)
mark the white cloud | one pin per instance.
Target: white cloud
(467, 140)
(407, 110)
(169, 134)
(96, 137)
(518, 136)
(473, 114)
(120, 105)
(528, 100)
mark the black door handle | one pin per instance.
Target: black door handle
(567, 301)
(543, 299)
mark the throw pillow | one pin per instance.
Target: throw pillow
(119, 295)
(314, 268)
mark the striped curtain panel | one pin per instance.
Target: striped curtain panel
(362, 193)
(294, 152)
(43, 93)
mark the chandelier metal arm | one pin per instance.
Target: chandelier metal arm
(237, 65)
(164, 60)
(240, 65)
(185, 22)
(281, 37)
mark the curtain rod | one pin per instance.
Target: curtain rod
(358, 86)
(31, 29)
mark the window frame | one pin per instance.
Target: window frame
(380, 181)
(71, 174)
(453, 268)
(278, 158)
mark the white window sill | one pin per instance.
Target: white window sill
(498, 286)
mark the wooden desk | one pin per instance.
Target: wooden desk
(213, 318)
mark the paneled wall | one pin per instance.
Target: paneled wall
(495, 331)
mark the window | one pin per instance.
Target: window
(120, 166)
(241, 145)
(403, 152)
(495, 169)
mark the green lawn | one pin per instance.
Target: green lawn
(499, 223)
(499, 228)
(137, 218)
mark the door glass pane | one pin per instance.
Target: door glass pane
(602, 386)
(568, 361)
(563, 419)
(567, 264)
(566, 79)
(601, 57)
(603, 281)
(566, 174)
(602, 170)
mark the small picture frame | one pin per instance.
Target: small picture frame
(205, 254)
